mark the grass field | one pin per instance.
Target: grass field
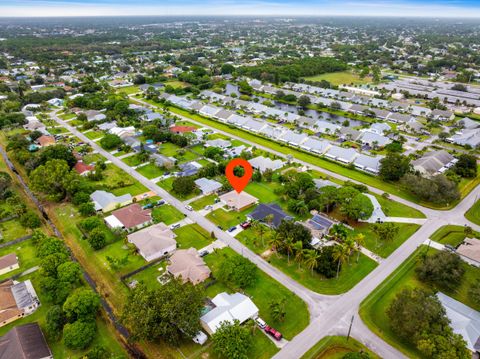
(133, 161)
(25, 252)
(350, 274)
(93, 135)
(12, 229)
(383, 248)
(204, 201)
(150, 171)
(227, 219)
(373, 308)
(167, 214)
(336, 347)
(192, 235)
(167, 185)
(340, 78)
(473, 214)
(453, 235)
(395, 209)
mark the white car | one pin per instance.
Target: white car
(175, 226)
(260, 322)
(188, 207)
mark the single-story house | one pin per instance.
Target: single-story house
(94, 115)
(106, 201)
(345, 155)
(274, 210)
(8, 263)
(468, 123)
(315, 145)
(238, 201)
(464, 320)
(189, 168)
(154, 242)
(17, 300)
(466, 137)
(45, 141)
(469, 250)
(163, 161)
(434, 162)
(25, 341)
(130, 217)
(182, 129)
(319, 226)
(218, 143)
(320, 183)
(189, 266)
(374, 139)
(442, 115)
(400, 117)
(367, 163)
(82, 168)
(122, 132)
(207, 186)
(264, 163)
(228, 308)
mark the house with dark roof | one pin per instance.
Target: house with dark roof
(274, 210)
(434, 162)
(25, 342)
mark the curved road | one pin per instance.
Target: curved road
(328, 314)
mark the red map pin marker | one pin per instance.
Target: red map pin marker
(239, 183)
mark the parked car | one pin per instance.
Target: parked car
(203, 253)
(450, 248)
(188, 207)
(245, 224)
(220, 227)
(161, 202)
(231, 229)
(216, 200)
(147, 206)
(175, 226)
(274, 333)
(208, 207)
(260, 322)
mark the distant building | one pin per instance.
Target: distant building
(45, 141)
(106, 201)
(83, 169)
(264, 163)
(433, 163)
(208, 186)
(25, 342)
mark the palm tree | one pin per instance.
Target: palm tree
(276, 242)
(288, 245)
(259, 229)
(298, 247)
(360, 241)
(311, 257)
(340, 254)
(350, 247)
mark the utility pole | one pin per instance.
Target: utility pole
(350, 328)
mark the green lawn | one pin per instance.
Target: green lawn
(350, 274)
(12, 229)
(395, 209)
(25, 252)
(340, 78)
(473, 214)
(373, 308)
(118, 182)
(204, 201)
(93, 135)
(264, 290)
(335, 347)
(227, 219)
(150, 171)
(93, 157)
(192, 235)
(168, 149)
(128, 89)
(264, 191)
(67, 116)
(453, 235)
(167, 183)
(383, 248)
(167, 214)
(121, 252)
(133, 160)
(149, 275)
(200, 149)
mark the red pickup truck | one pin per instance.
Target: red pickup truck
(274, 333)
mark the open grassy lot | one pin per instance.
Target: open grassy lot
(93, 135)
(103, 337)
(350, 274)
(340, 78)
(453, 235)
(373, 308)
(473, 214)
(384, 248)
(264, 191)
(333, 347)
(12, 229)
(150, 171)
(167, 183)
(198, 149)
(395, 209)
(168, 149)
(128, 89)
(68, 116)
(118, 182)
(204, 201)
(192, 235)
(133, 160)
(167, 214)
(93, 157)
(227, 219)
(149, 275)
(264, 290)
(25, 252)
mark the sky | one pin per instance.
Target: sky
(418, 8)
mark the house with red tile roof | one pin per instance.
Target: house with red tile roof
(45, 141)
(82, 168)
(130, 218)
(182, 129)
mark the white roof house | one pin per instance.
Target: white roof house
(315, 145)
(207, 186)
(293, 138)
(326, 127)
(106, 201)
(373, 138)
(367, 163)
(463, 320)
(228, 307)
(263, 163)
(345, 155)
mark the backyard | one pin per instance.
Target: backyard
(167, 214)
(192, 235)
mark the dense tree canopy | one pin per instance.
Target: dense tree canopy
(232, 341)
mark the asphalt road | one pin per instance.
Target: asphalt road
(329, 314)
